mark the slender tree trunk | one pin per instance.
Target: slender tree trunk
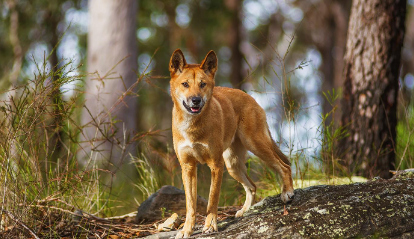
(15, 42)
(371, 70)
(57, 137)
(326, 26)
(112, 60)
(340, 15)
(333, 52)
(408, 57)
(17, 66)
(236, 76)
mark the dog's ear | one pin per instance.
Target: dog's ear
(209, 64)
(177, 62)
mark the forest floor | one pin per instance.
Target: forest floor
(88, 226)
(375, 208)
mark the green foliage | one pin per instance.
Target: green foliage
(405, 140)
(163, 209)
(147, 181)
(331, 134)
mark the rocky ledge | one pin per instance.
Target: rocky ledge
(377, 208)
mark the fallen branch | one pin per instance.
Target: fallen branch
(12, 217)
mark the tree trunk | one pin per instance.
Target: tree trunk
(333, 52)
(326, 27)
(371, 69)
(53, 19)
(236, 76)
(408, 57)
(112, 62)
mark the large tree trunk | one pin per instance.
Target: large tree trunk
(372, 64)
(112, 60)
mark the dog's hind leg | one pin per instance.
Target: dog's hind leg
(256, 138)
(235, 159)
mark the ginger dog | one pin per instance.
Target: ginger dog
(216, 126)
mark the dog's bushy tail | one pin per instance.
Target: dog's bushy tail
(279, 154)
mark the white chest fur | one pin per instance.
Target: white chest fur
(188, 147)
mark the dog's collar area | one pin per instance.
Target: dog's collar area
(193, 110)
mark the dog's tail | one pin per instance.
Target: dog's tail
(279, 154)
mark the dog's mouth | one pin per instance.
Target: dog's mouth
(193, 109)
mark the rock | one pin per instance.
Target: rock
(163, 235)
(171, 235)
(168, 199)
(171, 223)
(378, 208)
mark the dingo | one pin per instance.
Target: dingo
(216, 126)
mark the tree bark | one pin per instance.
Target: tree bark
(112, 63)
(371, 70)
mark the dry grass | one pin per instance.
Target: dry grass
(41, 181)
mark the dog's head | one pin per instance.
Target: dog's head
(192, 84)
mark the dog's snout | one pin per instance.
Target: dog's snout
(196, 100)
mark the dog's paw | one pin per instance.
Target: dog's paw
(240, 213)
(210, 224)
(184, 234)
(287, 196)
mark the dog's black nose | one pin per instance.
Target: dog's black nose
(196, 100)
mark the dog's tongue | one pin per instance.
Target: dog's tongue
(195, 109)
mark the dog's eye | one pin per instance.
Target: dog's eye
(185, 84)
(202, 84)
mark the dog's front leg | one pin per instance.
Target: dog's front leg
(189, 174)
(213, 200)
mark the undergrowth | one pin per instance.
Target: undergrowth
(43, 185)
(38, 169)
